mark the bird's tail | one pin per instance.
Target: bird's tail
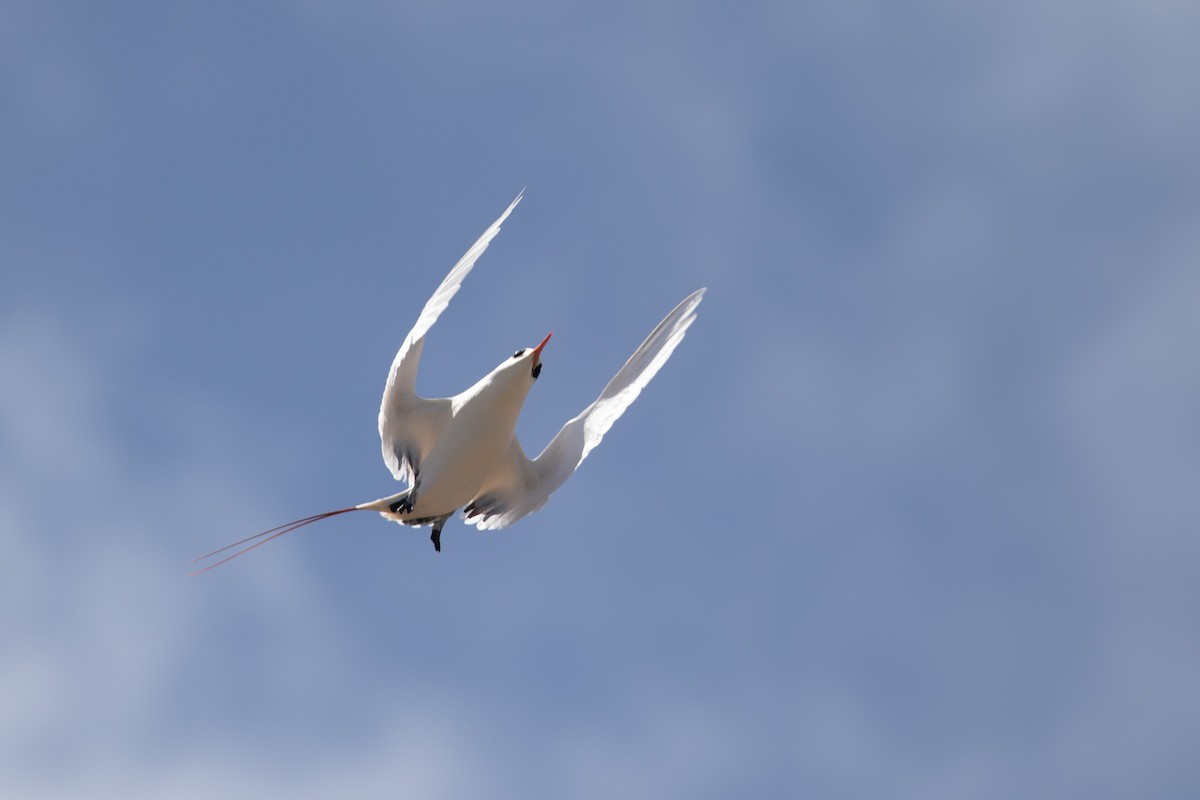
(388, 506)
(273, 533)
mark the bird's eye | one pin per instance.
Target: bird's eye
(518, 354)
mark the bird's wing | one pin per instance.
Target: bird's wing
(409, 424)
(522, 486)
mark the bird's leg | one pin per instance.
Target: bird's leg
(436, 536)
(406, 504)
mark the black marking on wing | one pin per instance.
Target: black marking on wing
(420, 522)
(485, 506)
(411, 458)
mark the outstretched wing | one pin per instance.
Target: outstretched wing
(409, 424)
(522, 486)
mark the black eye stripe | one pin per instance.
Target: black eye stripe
(518, 354)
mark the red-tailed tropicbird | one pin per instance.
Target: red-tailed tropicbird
(461, 452)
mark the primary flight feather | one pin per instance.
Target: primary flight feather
(461, 452)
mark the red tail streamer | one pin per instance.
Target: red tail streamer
(273, 533)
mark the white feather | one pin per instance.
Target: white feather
(409, 425)
(522, 486)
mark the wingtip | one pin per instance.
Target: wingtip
(692, 301)
(496, 225)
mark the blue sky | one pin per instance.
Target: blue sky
(911, 512)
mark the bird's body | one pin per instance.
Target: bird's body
(471, 435)
(461, 452)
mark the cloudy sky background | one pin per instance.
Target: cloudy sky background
(911, 513)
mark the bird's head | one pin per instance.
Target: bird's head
(530, 359)
(518, 372)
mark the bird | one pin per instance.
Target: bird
(461, 452)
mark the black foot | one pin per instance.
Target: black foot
(436, 538)
(404, 505)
